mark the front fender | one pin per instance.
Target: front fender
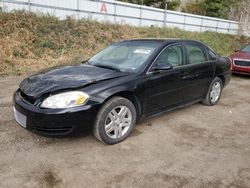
(127, 86)
(103, 95)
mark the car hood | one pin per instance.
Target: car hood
(241, 55)
(66, 77)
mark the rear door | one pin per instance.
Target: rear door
(199, 70)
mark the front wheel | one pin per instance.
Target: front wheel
(115, 120)
(214, 92)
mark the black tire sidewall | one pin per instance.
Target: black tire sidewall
(102, 115)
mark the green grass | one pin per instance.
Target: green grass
(30, 42)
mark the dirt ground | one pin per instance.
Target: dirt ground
(197, 146)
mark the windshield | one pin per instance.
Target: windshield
(246, 49)
(128, 56)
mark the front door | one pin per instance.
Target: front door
(166, 88)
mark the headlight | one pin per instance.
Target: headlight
(65, 100)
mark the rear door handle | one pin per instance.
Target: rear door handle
(186, 76)
(195, 75)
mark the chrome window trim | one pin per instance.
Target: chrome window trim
(185, 65)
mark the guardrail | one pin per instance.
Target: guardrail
(123, 13)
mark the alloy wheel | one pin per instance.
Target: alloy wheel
(215, 92)
(118, 122)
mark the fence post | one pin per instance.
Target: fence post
(1, 6)
(184, 22)
(229, 27)
(29, 4)
(115, 13)
(140, 19)
(165, 18)
(78, 9)
(217, 24)
(165, 15)
(201, 26)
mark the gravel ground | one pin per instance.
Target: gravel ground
(196, 146)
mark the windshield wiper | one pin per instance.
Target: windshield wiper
(107, 67)
(87, 62)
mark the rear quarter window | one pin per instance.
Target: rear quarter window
(211, 55)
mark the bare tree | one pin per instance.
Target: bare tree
(240, 11)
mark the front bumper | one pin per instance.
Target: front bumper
(55, 122)
(241, 70)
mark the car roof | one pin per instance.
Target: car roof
(165, 40)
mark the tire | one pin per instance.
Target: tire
(111, 119)
(212, 99)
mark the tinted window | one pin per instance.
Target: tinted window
(211, 55)
(195, 54)
(172, 55)
(246, 49)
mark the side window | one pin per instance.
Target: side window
(211, 55)
(195, 54)
(172, 55)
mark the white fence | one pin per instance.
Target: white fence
(123, 13)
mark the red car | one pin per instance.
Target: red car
(241, 61)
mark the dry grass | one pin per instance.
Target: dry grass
(30, 42)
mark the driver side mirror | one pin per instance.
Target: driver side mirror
(162, 66)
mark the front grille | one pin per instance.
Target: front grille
(26, 98)
(245, 63)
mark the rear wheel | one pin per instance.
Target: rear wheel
(115, 120)
(214, 92)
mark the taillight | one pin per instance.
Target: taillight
(230, 60)
(231, 63)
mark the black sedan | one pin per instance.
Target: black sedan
(122, 84)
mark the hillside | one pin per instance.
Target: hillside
(30, 42)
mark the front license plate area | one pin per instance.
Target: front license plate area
(20, 118)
